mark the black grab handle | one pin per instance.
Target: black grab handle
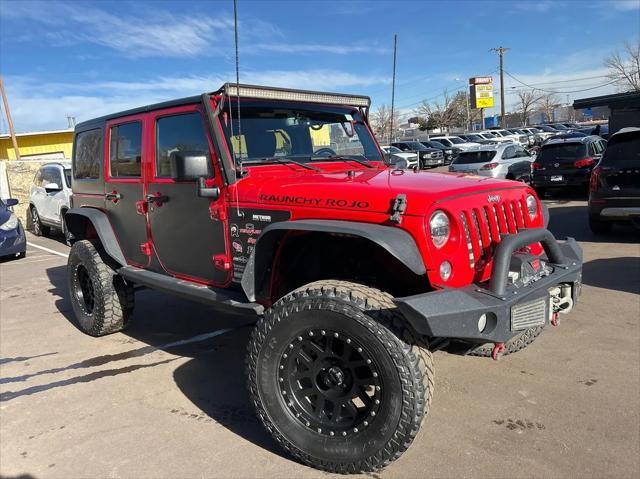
(510, 243)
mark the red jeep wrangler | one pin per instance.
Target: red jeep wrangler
(278, 201)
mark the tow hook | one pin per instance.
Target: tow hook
(555, 320)
(498, 351)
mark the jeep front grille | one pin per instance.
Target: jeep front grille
(484, 227)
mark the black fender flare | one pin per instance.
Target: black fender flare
(396, 241)
(75, 218)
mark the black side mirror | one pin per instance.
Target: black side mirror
(189, 165)
(52, 187)
(11, 202)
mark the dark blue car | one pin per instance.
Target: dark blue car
(12, 239)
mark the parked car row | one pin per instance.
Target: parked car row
(503, 160)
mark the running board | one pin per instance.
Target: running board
(188, 290)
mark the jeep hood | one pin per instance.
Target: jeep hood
(363, 189)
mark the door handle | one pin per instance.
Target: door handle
(156, 198)
(113, 196)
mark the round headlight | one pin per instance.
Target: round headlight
(445, 270)
(439, 228)
(532, 206)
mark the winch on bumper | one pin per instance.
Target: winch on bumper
(510, 303)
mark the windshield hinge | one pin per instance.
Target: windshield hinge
(398, 208)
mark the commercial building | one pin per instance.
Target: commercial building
(624, 108)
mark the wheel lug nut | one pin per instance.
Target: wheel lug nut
(377, 388)
(331, 433)
(365, 423)
(359, 350)
(291, 346)
(310, 333)
(319, 430)
(299, 338)
(368, 361)
(375, 375)
(355, 429)
(336, 335)
(344, 433)
(284, 393)
(308, 423)
(348, 341)
(284, 355)
(377, 401)
(323, 332)
(281, 366)
(281, 380)
(373, 413)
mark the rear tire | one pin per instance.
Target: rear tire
(36, 225)
(541, 192)
(102, 301)
(598, 226)
(515, 344)
(365, 341)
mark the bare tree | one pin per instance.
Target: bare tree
(547, 104)
(381, 123)
(443, 114)
(624, 68)
(527, 101)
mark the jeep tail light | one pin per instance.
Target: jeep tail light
(535, 165)
(583, 163)
(490, 166)
(594, 183)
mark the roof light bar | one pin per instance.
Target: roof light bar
(270, 93)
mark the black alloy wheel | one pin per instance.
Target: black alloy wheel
(330, 383)
(83, 289)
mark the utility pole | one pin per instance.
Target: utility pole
(9, 121)
(501, 51)
(393, 86)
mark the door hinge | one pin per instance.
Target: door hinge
(217, 212)
(145, 248)
(222, 262)
(398, 208)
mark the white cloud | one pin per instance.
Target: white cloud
(36, 105)
(626, 5)
(538, 6)
(318, 48)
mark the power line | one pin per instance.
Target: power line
(558, 91)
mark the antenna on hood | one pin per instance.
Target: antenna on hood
(235, 21)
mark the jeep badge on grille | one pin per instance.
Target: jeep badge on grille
(493, 198)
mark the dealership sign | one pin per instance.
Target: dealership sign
(481, 92)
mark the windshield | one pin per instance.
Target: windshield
(624, 152)
(562, 151)
(280, 131)
(391, 149)
(437, 144)
(415, 145)
(474, 137)
(455, 140)
(468, 157)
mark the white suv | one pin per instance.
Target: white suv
(50, 198)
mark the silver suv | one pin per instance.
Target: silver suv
(496, 161)
(50, 198)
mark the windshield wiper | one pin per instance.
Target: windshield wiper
(282, 161)
(341, 158)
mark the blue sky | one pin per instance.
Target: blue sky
(86, 59)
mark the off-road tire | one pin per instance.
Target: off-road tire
(515, 344)
(113, 298)
(37, 227)
(599, 227)
(372, 318)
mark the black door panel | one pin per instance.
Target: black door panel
(185, 237)
(129, 226)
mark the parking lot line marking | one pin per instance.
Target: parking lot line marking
(30, 260)
(48, 250)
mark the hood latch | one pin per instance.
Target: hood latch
(398, 208)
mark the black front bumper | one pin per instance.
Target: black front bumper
(454, 313)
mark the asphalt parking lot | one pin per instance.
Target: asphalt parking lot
(167, 399)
